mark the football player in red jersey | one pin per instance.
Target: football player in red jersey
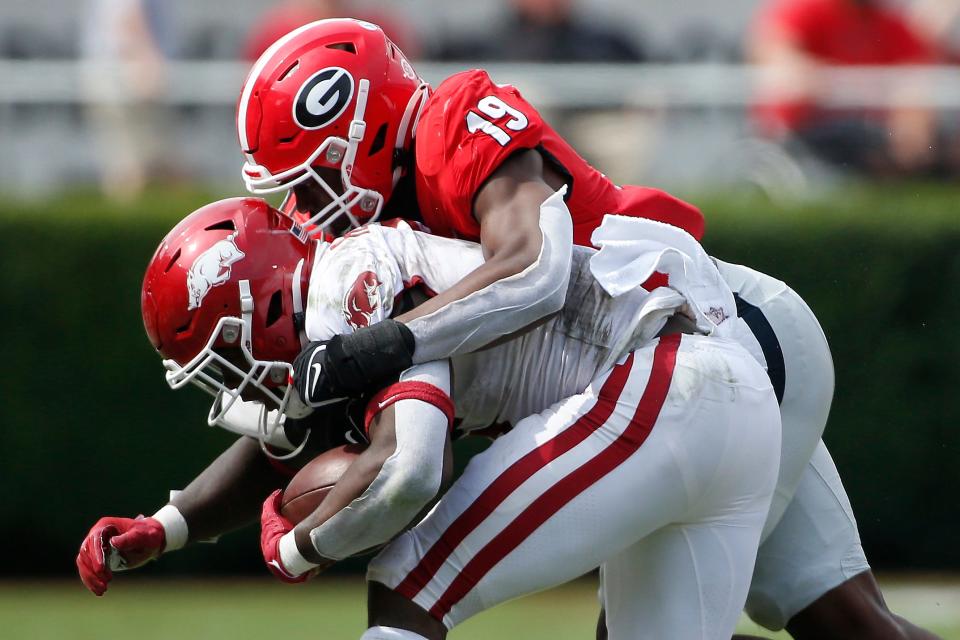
(334, 113)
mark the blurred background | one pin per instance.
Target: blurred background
(820, 138)
(782, 94)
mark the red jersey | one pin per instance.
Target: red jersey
(470, 126)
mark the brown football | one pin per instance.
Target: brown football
(314, 481)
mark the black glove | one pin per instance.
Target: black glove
(348, 365)
(310, 375)
(329, 426)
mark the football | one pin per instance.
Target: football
(314, 481)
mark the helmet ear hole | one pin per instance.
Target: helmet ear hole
(378, 140)
(275, 309)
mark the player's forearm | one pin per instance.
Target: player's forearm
(349, 488)
(505, 264)
(395, 478)
(395, 497)
(496, 299)
(228, 493)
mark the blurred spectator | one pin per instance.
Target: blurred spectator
(124, 49)
(290, 14)
(937, 20)
(545, 31)
(797, 37)
(551, 31)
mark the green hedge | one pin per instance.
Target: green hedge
(90, 427)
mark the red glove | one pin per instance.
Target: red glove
(118, 544)
(274, 526)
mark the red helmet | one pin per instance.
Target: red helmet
(219, 299)
(336, 94)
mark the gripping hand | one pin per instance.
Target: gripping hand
(273, 526)
(117, 544)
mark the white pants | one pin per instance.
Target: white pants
(810, 541)
(662, 470)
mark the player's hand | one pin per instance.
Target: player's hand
(116, 544)
(310, 375)
(274, 526)
(351, 364)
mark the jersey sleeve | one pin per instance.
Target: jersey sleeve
(469, 128)
(351, 285)
(357, 279)
(431, 262)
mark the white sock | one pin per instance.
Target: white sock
(390, 633)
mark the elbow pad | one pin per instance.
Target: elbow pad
(509, 304)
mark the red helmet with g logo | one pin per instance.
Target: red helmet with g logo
(336, 94)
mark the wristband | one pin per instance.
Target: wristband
(173, 496)
(291, 558)
(174, 527)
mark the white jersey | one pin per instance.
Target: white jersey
(356, 279)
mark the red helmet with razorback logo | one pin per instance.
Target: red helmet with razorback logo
(219, 300)
(334, 94)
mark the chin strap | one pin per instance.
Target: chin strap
(358, 127)
(410, 120)
(299, 317)
(246, 314)
(264, 434)
(265, 420)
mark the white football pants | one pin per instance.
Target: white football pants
(810, 541)
(662, 470)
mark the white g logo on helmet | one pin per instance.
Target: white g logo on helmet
(323, 98)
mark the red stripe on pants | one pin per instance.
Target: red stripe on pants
(513, 477)
(573, 484)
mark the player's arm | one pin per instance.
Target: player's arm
(227, 494)
(527, 250)
(385, 489)
(224, 496)
(527, 239)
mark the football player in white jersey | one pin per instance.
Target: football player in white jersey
(640, 430)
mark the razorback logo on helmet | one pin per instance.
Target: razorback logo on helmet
(362, 300)
(323, 97)
(211, 269)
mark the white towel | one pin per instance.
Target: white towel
(633, 249)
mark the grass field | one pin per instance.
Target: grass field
(334, 609)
